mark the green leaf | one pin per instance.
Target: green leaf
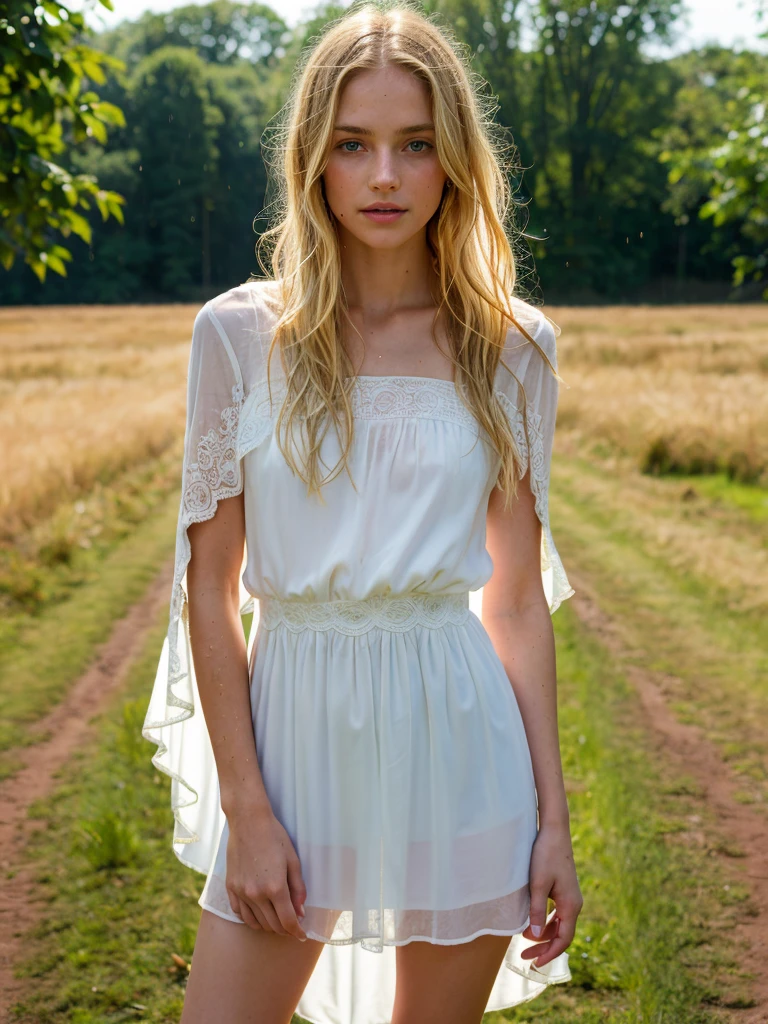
(38, 268)
(56, 264)
(109, 113)
(94, 71)
(60, 252)
(78, 224)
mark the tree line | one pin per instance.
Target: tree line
(637, 177)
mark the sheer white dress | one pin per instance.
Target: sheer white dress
(387, 731)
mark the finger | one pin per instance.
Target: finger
(550, 930)
(296, 885)
(271, 917)
(287, 915)
(248, 916)
(531, 952)
(235, 904)
(558, 944)
(539, 949)
(255, 909)
(538, 911)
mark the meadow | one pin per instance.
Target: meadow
(659, 506)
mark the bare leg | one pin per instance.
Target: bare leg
(446, 984)
(244, 976)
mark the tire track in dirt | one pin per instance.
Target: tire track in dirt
(687, 749)
(63, 730)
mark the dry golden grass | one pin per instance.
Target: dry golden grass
(89, 391)
(85, 392)
(676, 388)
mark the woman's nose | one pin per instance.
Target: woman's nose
(384, 173)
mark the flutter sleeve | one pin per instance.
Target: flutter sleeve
(211, 471)
(541, 389)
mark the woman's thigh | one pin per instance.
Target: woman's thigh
(244, 976)
(446, 984)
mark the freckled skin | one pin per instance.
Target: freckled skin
(402, 169)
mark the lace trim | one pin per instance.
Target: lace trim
(215, 475)
(216, 469)
(428, 398)
(255, 419)
(371, 398)
(423, 397)
(550, 559)
(396, 614)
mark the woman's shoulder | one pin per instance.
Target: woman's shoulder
(519, 354)
(244, 316)
(536, 322)
(242, 304)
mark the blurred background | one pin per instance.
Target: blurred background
(641, 127)
(133, 189)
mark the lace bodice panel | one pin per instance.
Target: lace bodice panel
(423, 473)
(413, 523)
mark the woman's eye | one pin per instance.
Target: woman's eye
(413, 142)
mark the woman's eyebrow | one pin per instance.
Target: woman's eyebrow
(354, 130)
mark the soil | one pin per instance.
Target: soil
(61, 732)
(741, 826)
(68, 725)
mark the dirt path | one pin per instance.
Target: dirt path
(743, 826)
(69, 724)
(63, 730)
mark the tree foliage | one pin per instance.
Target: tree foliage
(718, 156)
(221, 32)
(47, 105)
(630, 172)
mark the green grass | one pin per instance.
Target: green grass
(712, 658)
(749, 498)
(52, 649)
(119, 905)
(121, 912)
(646, 946)
(57, 556)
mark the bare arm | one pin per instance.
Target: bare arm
(220, 653)
(264, 879)
(517, 619)
(516, 616)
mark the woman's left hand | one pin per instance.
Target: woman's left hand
(552, 873)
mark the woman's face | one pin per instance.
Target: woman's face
(383, 153)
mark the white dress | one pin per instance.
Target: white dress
(387, 731)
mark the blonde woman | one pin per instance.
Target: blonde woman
(371, 783)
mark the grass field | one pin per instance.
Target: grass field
(659, 508)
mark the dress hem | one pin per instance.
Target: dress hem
(397, 942)
(535, 976)
(505, 1006)
(185, 862)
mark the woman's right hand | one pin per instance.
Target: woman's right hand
(264, 880)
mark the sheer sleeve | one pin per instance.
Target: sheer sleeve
(541, 390)
(211, 471)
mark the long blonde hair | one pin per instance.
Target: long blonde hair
(470, 249)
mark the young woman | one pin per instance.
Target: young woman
(373, 788)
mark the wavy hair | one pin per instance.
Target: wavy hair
(469, 246)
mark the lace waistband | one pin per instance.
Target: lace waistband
(396, 614)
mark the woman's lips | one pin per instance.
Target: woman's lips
(383, 216)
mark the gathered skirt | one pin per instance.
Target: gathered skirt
(394, 754)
